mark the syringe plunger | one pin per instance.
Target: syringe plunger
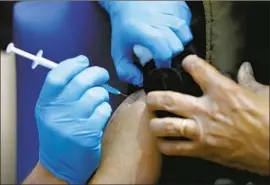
(39, 60)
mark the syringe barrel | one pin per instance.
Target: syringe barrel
(23, 53)
(46, 63)
(41, 61)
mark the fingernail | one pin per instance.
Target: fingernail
(186, 32)
(82, 59)
(248, 68)
(137, 81)
(190, 58)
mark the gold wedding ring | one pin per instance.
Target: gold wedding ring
(183, 128)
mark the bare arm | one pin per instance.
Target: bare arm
(129, 152)
(41, 176)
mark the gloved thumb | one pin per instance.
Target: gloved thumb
(127, 71)
(245, 77)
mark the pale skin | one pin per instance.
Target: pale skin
(130, 154)
(228, 125)
(129, 148)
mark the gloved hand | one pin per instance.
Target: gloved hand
(160, 26)
(228, 124)
(71, 113)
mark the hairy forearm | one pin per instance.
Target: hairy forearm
(129, 154)
(40, 175)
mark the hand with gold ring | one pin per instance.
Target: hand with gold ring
(229, 124)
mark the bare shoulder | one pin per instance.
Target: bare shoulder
(129, 151)
(133, 104)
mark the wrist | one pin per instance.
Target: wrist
(41, 175)
(61, 170)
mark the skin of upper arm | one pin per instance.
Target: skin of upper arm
(129, 152)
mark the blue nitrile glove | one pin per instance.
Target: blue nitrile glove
(71, 113)
(160, 26)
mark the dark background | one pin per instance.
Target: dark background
(5, 23)
(258, 49)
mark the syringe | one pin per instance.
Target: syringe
(39, 60)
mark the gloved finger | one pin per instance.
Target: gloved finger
(90, 77)
(183, 32)
(91, 99)
(143, 54)
(59, 77)
(173, 41)
(179, 26)
(168, 20)
(175, 127)
(153, 40)
(99, 118)
(128, 72)
(174, 102)
(178, 148)
(245, 77)
(206, 76)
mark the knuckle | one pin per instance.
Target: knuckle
(179, 23)
(178, 49)
(192, 126)
(78, 62)
(101, 91)
(104, 110)
(83, 59)
(210, 141)
(55, 80)
(104, 94)
(91, 94)
(156, 36)
(198, 108)
(100, 70)
(168, 126)
(168, 101)
(80, 82)
(122, 75)
(194, 130)
(97, 93)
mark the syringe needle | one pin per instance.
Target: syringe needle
(125, 95)
(39, 60)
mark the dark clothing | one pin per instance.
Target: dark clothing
(184, 170)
